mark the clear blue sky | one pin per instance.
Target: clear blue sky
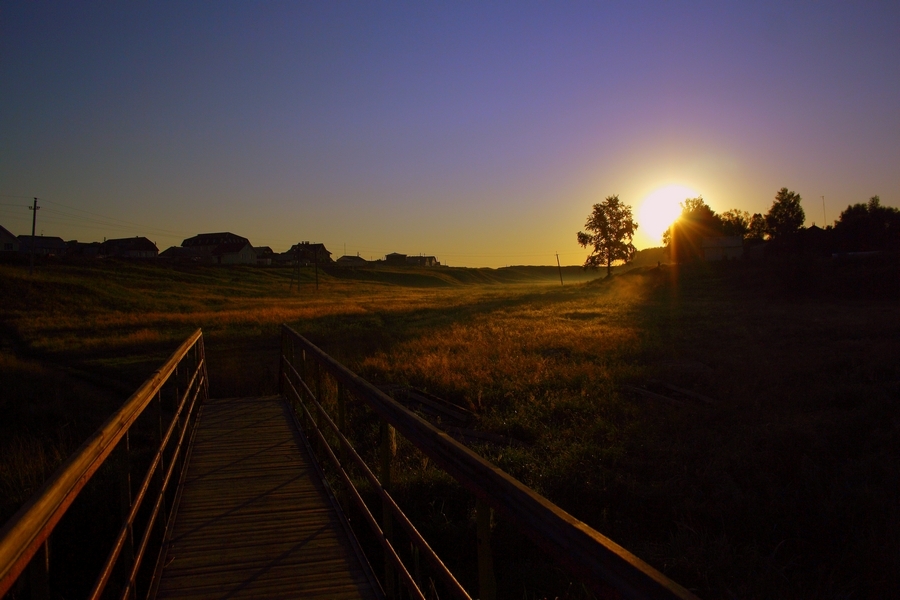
(478, 132)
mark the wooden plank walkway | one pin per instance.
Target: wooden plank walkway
(254, 520)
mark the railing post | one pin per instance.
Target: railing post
(39, 573)
(202, 354)
(163, 511)
(487, 584)
(342, 419)
(319, 400)
(417, 570)
(318, 380)
(388, 448)
(125, 499)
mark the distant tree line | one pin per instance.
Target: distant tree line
(860, 228)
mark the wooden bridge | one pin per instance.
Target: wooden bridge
(254, 498)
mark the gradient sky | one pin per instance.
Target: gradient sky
(481, 133)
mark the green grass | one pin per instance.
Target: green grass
(786, 486)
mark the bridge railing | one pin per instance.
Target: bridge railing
(176, 389)
(603, 566)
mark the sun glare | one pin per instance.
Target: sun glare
(661, 207)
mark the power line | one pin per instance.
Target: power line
(71, 215)
(111, 220)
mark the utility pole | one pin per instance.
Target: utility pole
(295, 271)
(34, 210)
(824, 218)
(317, 268)
(560, 269)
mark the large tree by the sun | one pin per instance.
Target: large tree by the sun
(697, 221)
(610, 229)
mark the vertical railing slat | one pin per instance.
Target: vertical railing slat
(487, 584)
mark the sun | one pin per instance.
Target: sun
(661, 207)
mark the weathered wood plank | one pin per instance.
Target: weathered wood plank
(254, 521)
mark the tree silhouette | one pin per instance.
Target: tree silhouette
(869, 226)
(697, 221)
(735, 222)
(786, 216)
(756, 230)
(610, 229)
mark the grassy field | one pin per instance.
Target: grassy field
(775, 472)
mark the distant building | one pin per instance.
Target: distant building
(817, 241)
(135, 247)
(422, 261)
(224, 248)
(207, 242)
(236, 253)
(395, 258)
(8, 242)
(722, 247)
(264, 255)
(176, 253)
(83, 249)
(351, 261)
(308, 254)
(43, 246)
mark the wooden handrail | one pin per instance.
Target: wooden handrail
(417, 539)
(584, 552)
(30, 527)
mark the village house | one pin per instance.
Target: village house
(235, 253)
(308, 254)
(178, 253)
(205, 243)
(83, 249)
(351, 261)
(422, 261)
(264, 255)
(395, 259)
(43, 246)
(135, 247)
(223, 248)
(8, 242)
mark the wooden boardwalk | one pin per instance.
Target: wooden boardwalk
(254, 520)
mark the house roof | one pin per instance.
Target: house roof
(307, 246)
(352, 259)
(133, 244)
(41, 241)
(177, 252)
(230, 248)
(5, 233)
(213, 239)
